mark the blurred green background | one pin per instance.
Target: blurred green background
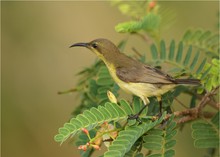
(37, 63)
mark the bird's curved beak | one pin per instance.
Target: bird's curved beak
(80, 44)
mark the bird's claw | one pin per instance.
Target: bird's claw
(134, 117)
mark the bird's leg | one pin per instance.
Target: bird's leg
(164, 122)
(160, 106)
(142, 109)
(160, 109)
(136, 116)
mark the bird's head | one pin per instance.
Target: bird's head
(103, 48)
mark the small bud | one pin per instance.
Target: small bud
(96, 147)
(85, 131)
(152, 4)
(111, 97)
(83, 147)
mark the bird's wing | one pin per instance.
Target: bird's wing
(144, 74)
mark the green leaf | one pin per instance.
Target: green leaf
(90, 119)
(82, 119)
(156, 132)
(69, 126)
(195, 59)
(106, 113)
(204, 36)
(206, 72)
(153, 146)
(113, 153)
(124, 8)
(162, 50)
(135, 149)
(169, 153)
(76, 123)
(154, 52)
(126, 107)
(187, 35)
(153, 142)
(193, 101)
(215, 120)
(103, 89)
(134, 9)
(104, 81)
(188, 56)
(206, 133)
(104, 78)
(162, 140)
(155, 155)
(196, 35)
(172, 125)
(179, 52)
(170, 144)
(140, 155)
(203, 41)
(59, 138)
(204, 143)
(138, 105)
(128, 27)
(172, 50)
(153, 138)
(150, 22)
(97, 113)
(90, 116)
(170, 135)
(122, 45)
(112, 110)
(63, 131)
(129, 136)
(201, 66)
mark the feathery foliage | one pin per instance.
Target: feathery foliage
(173, 54)
(103, 119)
(210, 75)
(206, 133)
(161, 140)
(145, 17)
(89, 119)
(126, 138)
(93, 89)
(205, 41)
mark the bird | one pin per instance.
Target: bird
(133, 76)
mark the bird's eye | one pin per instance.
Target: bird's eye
(94, 45)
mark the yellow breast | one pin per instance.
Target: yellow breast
(142, 90)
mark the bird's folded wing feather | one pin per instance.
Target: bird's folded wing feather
(143, 74)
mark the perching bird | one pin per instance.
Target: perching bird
(133, 76)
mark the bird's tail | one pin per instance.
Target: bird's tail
(188, 81)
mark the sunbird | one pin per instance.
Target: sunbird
(133, 76)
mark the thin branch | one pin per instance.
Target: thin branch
(196, 112)
(136, 52)
(212, 103)
(145, 38)
(206, 98)
(181, 103)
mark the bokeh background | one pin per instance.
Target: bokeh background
(37, 63)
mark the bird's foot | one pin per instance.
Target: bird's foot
(134, 117)
(159, 115)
